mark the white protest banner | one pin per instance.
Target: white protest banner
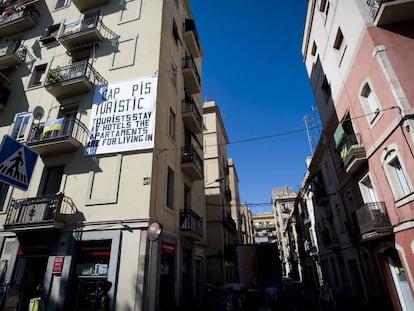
(123, 116)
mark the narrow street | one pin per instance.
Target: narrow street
(293, 298)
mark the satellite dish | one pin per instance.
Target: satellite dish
(38, 113)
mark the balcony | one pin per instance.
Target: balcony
(192, 80)
(191, 224)
(57, 136)
(12, 54)
(81, 32)
(191, 115)
(39, 213)
(83, 5)
(385, 12)
(373, 221)
(191, 163)
(352, 153)
(72, 80)
(18, 19)
(229, 222)
(191, 38)
(227, 194)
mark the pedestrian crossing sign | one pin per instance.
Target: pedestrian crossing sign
(17, 163)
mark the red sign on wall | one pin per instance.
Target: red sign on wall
(58, 264)
(167, 248)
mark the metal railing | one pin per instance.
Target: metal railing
(59, 128)
(73, 71)
(191, 221)
(372, 216)
(18, 13)
(374, 6)
(190, 25)
(43, 209)
(188, 62)
(14, 47)
(190, 155)
(189, 105)
(85, 25)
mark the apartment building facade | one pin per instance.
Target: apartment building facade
(108, 94)
(221, 227)
(264, 228)
(359, 69)
(246, 225)
(283, 199)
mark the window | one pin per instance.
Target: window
(170, 188)
(322, 6)
(62, 4)
(38, 76)
(175, 32)
(172, 124)
(50, 34)
(396, 174)
(369, 103)
(367, 190)
(21, 126)
(326, 89)
(314, 49)
(338, 39)
(173, 73)
(340, 45)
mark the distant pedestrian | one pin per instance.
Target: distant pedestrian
(103, 296)
(326, 299)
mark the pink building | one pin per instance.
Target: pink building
(360, 59)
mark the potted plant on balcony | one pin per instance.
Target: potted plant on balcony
(54, 76)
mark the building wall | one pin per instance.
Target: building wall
(368, 92)
(114, 197)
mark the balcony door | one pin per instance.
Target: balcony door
(53, 179)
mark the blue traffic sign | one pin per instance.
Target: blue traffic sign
(17, 163)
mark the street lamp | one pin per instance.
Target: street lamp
(154, 232)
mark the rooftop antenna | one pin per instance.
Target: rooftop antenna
(307, 119)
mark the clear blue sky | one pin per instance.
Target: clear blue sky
(253, 69)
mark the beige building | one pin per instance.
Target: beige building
(264, 228)
(246, 225)
(283, 199)
(108, 93)
(235, 198)
(221, 228)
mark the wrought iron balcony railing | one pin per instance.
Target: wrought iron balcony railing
(352, 152)
(191, 115)
(192, 79)
(63, 134)
(44, 211)
(84, 31)
(191, 162)
(72, 80)
(191, 38)
(385, 12)
(12, 54)
(15, 19)
(373, 220)
(73, 71)
(191, 221)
